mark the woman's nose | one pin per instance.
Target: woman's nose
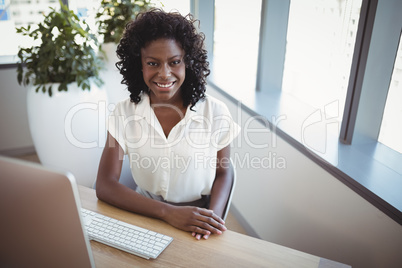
(164, 71)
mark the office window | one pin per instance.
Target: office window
(17, 13)
(235, 50)
(391, 126)
(21, 13)
(320, 42)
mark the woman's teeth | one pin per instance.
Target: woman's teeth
(165, 85)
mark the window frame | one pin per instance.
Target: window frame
(359, 61)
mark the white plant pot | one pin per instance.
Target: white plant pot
(69, 129)
(111, 76)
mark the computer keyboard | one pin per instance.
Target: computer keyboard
(127, 237)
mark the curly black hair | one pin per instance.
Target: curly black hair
(155, 24)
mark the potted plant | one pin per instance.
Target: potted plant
(65, 125)
(111, 18)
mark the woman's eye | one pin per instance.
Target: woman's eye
(152, 63)
(176, 62)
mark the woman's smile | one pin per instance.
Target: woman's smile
(165, 85)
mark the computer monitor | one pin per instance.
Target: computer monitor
(40, 224)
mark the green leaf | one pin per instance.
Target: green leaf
(19, 73)
(63, 87)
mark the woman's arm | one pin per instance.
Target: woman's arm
(109, 189)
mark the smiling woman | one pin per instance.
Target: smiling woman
(168, 116)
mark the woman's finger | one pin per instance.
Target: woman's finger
(210, 213)
(210, 224)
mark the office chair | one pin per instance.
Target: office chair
(227, 207)
(125, 176)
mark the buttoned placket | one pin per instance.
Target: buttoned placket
(174, 136)
(157, 132)
(166, 149)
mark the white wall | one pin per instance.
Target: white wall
(14, 129)
(304, 207)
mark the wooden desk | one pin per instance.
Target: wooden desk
(230, 249)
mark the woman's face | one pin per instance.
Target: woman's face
(163, 70)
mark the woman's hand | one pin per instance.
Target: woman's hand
(199, 221)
